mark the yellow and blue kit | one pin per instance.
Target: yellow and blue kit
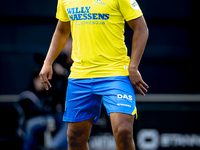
(100, 67)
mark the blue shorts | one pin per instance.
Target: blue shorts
(84, 98)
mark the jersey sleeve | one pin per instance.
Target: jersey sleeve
(129, 9)
(61, 13)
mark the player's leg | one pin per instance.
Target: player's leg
(81, 111)
(119, 100)
(122, 126)
(78, 134)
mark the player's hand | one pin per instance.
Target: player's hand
(46, 75)
(137, 81)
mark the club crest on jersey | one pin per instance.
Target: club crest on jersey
(127, 97)
(99, 2)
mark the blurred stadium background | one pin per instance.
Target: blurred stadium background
(169, 115)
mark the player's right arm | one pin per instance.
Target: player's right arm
(58, 42)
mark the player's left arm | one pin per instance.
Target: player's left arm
(139, 41)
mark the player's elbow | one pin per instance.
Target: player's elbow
(146, 30)
(142, 28)
(142, 31)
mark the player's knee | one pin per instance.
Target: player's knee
(76, 137)
(124, 138)
(124, 132)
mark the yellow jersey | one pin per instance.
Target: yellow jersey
(97, 29)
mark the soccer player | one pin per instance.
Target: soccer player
(101, 70)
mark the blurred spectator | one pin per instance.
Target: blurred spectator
(44, 126)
